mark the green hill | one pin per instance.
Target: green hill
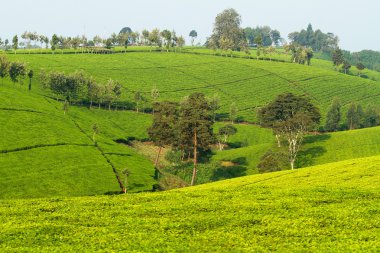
(328, 208)
(39, 137)
(249, 83)
(252, 142)
(46, 153)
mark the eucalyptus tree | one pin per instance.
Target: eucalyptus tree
(193, 34)
(167, 36)
(4, 67)
(30, 75)
(15, 43)
(164, 126)
(290, 117)
(227, 28)
(54, 42)
(17, 71)
(145, 36)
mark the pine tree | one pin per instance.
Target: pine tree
(334, 116)
(163, 129)
(195, 125)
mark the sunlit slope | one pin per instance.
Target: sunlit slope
(329, 208)
(252, 142)
(247, 82)
(339, 146)
(46, 153)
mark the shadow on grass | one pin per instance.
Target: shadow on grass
(316, 138)
(306, 157)
(234, 168)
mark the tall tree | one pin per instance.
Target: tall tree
(167, 36)
(30, 75)
(180, 42)
(193, 34)
(196, 122)
(4, 67)
(227, 26)
(291, 117)
(354, 116)
(233, 112)
(334, 116)
(372, 116)
(337, 57)
(15, 43)
(145, 35)
(154, 38)
(17, 71)
(360, 66)
(163, 129)
(223, 134)
(54, 42)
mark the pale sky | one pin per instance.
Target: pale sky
(356, 22)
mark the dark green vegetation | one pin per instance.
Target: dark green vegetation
(329, 208)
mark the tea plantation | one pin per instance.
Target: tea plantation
(46, 153)
(248, 83)
(328, 208)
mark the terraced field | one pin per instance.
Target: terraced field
(46, 153)
(248, 83)
(328, 208)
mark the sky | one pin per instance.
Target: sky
(356, 22)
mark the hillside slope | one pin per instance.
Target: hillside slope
(252, 142)
(46, 153)
(329, 208)
(248, 83)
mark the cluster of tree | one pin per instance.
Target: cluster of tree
(317, 40)
(16, 71)
(368, 58)
(262, 36)
(342, 64)
(187, 127)
(125, 37)
(78, 86)
(299, 54)
(356, 117)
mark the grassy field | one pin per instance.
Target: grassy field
(46, 153)
(248, 83)
(329, 208)
(33, 122)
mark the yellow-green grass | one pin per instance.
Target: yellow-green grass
(249, 83)
(252, 142)
(329, 208)
(340, 146)
(46, 153)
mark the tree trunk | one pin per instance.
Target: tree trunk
(157, 158)
(278, 140)
(195, 159)
(91, 104)
(220, 145)
(109, 107)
